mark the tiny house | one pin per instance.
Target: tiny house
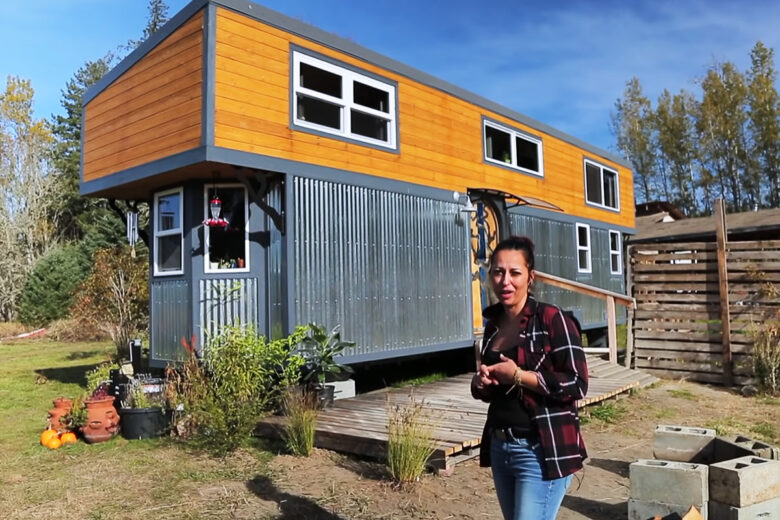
(296, 177)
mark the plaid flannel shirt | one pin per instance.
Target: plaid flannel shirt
(552, 348)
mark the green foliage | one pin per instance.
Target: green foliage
(765, 430)
(115, 296)
(607, 412)
(410, 440)
(765, 334)
(682, 394)
(99, 374)
(242, 378)
(48, 290)
(300, 408)
(319, 348)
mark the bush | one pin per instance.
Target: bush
(69, 330)
(300, 408)
(49, 289)
(410, 441)
(115, 296)
(242, 377)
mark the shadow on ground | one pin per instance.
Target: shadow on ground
(618, 467)
(364, 468)
(595, 510)
(292, 507)
(74, 374)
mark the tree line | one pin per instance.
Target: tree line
(691, 150)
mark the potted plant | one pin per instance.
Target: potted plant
(320, 348)
(144, 414)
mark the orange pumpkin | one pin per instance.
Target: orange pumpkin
(68, 438)
(47, 435)
(54, 443)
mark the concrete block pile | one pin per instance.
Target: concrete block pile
(724, 477)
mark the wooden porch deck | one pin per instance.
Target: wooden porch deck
(358, 425)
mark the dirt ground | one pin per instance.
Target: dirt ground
(327, 485)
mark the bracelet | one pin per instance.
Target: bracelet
(517, 379)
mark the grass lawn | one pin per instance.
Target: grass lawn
(155, 476)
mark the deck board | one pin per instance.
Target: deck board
(358, 425)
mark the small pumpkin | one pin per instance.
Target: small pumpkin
(68, 438)
(47, 435)
(54, 443)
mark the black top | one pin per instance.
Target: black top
(506, 407)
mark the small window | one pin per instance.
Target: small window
(583, 248)
(168, 233)
(227, 247)
(601, 186)
(512, 148)
(615, 252)
(340, 101)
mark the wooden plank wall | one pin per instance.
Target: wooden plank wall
(153, 110)
(440, 141)
(677, 324)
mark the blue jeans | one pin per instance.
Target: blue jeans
(517, 474)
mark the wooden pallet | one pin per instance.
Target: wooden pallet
(358, 425)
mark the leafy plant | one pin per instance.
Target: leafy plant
(319, 348)
(607, 412)
(410, 441)
(766, 337)
(99, 375)
(300, 408)
(77, 416)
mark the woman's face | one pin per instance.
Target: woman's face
(511, 277)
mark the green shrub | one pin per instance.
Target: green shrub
(300, 408)
(410, 440)
(49, 289)
(245, 376)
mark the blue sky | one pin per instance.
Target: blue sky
(561, 62)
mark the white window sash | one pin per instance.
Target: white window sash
(168, 232)
(513, 136)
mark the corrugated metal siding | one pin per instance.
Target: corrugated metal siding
(226, 301)
(170, 319)
(556, 254)
(391, 268)
(276, 271)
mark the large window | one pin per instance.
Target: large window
(615, 252)
(340, 101)
(583, 248)
(168, 233)
(227, 246)
(512, 148)
(601, 186)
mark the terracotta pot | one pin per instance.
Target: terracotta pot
(62, 406)
(102, 419)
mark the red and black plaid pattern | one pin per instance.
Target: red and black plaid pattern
(550, 346)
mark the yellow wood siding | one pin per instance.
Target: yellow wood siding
(152, 111)
(440, 135)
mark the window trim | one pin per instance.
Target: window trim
(168, 232)
(514, 134)
(587, 247)
(601, 168)
(346, 102)
(618, 252)
(207, 231)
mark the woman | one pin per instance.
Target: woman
(533, 370)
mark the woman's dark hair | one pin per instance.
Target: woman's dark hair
(517, 243)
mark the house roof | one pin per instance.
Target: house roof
(738, 225)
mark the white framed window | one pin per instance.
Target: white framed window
(583, 248)
(227, 247)
(601, 186)
(615, 252)
(512, 148)
(340, 101)
(168, 235)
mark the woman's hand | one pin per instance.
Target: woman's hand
(482, 378)
(502, 372)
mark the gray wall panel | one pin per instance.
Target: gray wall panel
(226, 301)
(391, 268)
(170, 319)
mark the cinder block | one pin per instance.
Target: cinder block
(343, 389)
(766, 510)
(757, 448)
(683, 443)
(648, 510)
(744, 481)
(724, 448)
(669, 482)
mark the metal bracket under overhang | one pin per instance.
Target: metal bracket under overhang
(258, 193)
(511, 200)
